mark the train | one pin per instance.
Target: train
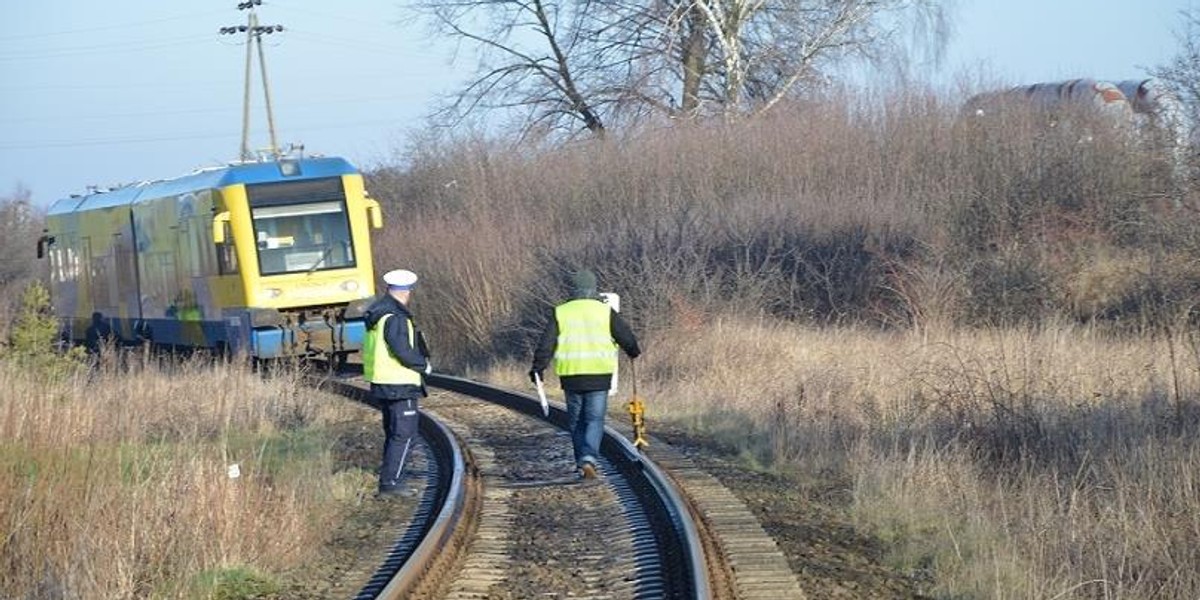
(268, 257)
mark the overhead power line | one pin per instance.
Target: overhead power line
(123, 46)
(37, 145)
(254, 33)
(367, 43)
(123, 26)
(336, 101)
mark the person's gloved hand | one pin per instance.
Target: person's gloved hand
(428, 367)
(534, 375)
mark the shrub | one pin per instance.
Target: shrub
(34, 334)
(19, 225)
(824, 212)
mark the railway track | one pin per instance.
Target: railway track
(506, 518)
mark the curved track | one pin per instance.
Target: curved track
(466, 538)
(448, 497)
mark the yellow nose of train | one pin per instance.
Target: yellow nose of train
(271, 258)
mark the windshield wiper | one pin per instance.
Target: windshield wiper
(324, 255)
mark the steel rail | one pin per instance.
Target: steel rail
(414, 555)
(677, 537)
(690, 579)
(452, 493)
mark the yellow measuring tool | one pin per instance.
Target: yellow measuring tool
(637, 412)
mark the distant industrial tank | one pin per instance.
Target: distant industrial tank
(1103, 96)
(1154, 105)
(1147, 107)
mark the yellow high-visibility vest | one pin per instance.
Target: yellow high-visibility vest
(585, 343)
(380, 365)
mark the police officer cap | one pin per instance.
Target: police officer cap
(400, 279)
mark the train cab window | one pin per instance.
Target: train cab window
(303, 237)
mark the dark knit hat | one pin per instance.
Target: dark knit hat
(583, 283)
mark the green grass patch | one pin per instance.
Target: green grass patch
(233, 583)
(294, 453)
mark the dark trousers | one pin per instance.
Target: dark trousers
(399, 430)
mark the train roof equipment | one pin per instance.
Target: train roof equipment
(208, 178)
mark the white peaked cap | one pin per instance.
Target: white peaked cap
(400, 279)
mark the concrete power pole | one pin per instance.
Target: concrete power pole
(254, 33)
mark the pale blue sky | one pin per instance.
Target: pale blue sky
(103, 93)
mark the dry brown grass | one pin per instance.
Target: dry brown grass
(1050, 462)
(114, 483)
(983, 326)
(1047, 463)
(834, 212)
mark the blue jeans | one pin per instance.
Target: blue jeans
(585, 413)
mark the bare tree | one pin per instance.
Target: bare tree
(535, 57)
(592, 64)
(1182, 74)
(19, 226)
(767, 48)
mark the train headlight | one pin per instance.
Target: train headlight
(289, 167)
(273, 292)
(350, 285)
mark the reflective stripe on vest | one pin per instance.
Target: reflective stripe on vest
(585, 343)
(379, 364)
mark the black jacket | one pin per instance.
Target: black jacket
(544, 352)
(410, 353)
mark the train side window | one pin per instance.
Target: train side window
(227, 254)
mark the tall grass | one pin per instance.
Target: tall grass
(837, 212)
(1050, 462)
(982, 327)
(115, 482)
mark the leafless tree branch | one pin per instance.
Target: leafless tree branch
(587, 65)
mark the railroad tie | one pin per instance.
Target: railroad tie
(760, 570)
(487, 560)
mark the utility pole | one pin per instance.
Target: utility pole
(254, 33)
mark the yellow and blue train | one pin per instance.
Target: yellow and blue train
(270, 258)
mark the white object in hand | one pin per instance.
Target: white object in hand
(537, 379)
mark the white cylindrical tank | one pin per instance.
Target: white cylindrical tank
(1160, 111)
(1154, 99)
(1101, 95)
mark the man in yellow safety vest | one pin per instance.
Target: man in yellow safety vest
(395, 362)
(582, 336)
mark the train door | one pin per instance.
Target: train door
(227, 262)
(66, 268)
(156, 248)
(94, 296)
(102, 291)
(127, 300)
(112, 269)
(85, 302)
(197, 258)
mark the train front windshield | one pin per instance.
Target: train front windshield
(301, 226)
